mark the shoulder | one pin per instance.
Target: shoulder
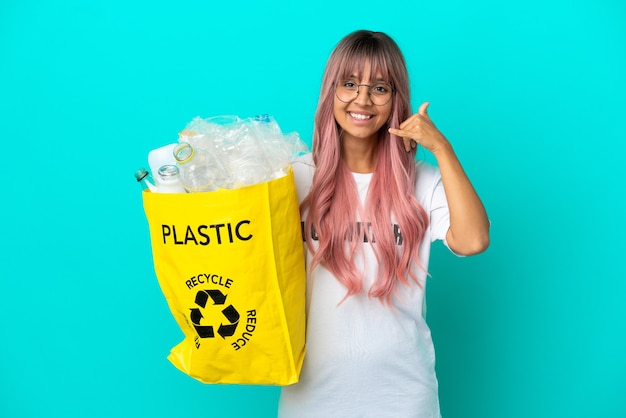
(303, 161)
(303, 166)
(427, 175)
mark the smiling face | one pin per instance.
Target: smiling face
(360, 119)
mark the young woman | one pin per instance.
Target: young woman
(370, 212)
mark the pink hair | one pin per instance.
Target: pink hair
(333, 197)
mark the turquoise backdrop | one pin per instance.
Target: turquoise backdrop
(530, 93)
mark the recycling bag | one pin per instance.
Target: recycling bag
(230, 264)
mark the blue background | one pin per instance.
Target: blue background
(531, 94)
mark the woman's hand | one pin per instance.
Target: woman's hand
(469, 225)
(420, 129)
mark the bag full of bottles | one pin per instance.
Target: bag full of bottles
(227, 248)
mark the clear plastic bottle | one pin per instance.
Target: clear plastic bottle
(145, 180)
(198, 170)
(168, 180)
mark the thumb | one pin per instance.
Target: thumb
(423, 110)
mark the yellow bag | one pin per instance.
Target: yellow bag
(231, 266)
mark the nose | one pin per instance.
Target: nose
(363, 94)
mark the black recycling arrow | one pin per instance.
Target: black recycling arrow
(218, 297)
(233, 317)
(227, 330)
(201, 298)
(231, 314)
(196, 316)
(204, 331)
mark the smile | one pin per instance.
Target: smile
(360, 116)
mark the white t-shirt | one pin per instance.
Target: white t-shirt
(363, 358)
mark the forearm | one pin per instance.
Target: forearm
(469, 225)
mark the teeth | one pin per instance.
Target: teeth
(359, 116)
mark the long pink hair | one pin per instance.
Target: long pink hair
(333, 197)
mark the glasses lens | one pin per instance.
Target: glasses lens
(347, 90)
(379, 93)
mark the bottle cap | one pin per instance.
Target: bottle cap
(141, 174)
(168, 171)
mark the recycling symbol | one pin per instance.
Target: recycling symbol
(230, 314)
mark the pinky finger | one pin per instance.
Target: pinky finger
(407, 144)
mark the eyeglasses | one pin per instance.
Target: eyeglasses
(380, 93)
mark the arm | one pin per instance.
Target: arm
(469, 225)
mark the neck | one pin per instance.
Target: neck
(360, 155)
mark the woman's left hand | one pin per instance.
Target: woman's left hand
(469, 226)
(420, 129)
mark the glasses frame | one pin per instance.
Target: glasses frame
(358, 90)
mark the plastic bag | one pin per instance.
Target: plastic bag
(230, 264)
(251, 151)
